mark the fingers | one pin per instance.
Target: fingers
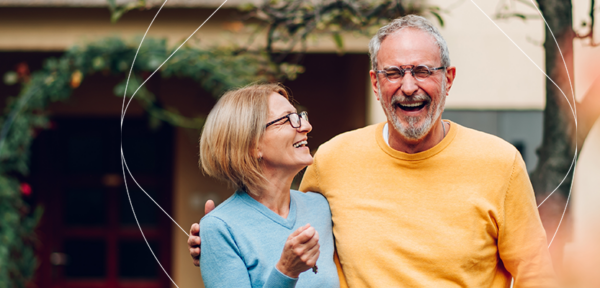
(194, 243)
(298, 231)
(195, 230)
(195, 253)
(306, 235)
(301, 251)
(209, 206)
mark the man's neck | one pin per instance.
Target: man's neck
(435, 136)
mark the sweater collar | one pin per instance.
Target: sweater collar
(452, 132)
(288, 222)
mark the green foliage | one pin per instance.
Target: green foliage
(17, 257)
(118, 11)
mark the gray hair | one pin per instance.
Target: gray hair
(408, 21)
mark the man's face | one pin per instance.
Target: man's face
(412, 106)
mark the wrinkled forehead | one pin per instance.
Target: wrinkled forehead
(409, 43)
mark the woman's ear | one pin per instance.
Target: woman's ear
(258, 154)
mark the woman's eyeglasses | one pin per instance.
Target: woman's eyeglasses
(295, 119)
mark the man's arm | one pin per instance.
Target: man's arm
(522, 242)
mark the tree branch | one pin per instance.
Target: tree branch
(590, 33)
(588, 111)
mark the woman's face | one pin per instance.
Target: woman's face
(283, 147)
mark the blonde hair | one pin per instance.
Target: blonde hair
(232, 132)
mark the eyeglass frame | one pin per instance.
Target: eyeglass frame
(412, 71)
(301, 115)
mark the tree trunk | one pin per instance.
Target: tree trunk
(558, 142)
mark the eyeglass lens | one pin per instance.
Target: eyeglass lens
(419, 72)
(295, 119)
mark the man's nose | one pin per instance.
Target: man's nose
(408, 84)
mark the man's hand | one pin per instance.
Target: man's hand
(194, 239)
(300, 252)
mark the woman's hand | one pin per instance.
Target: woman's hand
(300, 252)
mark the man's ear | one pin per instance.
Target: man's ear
(373, 76)
(450, 75)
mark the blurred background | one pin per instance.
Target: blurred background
(67, 216)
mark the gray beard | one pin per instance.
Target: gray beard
(412, 131)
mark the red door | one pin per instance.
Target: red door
(88, 233)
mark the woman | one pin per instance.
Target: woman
(264, 235)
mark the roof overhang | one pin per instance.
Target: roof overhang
(103, 3)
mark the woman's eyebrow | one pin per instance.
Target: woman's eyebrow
(287, 112)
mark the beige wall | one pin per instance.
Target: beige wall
(48, 29)
(191, 190)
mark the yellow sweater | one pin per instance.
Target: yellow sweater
(461, 214)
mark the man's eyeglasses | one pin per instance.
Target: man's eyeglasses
(295, 119)
(421, 72)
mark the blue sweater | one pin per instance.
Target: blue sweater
(242, 241)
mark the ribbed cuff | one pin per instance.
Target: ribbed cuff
(278, 279)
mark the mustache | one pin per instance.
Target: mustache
(398, 98)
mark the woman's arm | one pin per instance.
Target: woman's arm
(221, 263)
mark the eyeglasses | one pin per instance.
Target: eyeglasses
(421, 72)
(295, 119)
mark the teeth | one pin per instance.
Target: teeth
(301, 143)
(412, 104)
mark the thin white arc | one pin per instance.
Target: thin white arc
(134, 58)
(138, 223)
(564, 62)
(136, 183)
(541, 70)
(563, 214)
(123, 113)
(559, 184)
(123, 157)
(572, 111)
(163, 63)
(574, 104)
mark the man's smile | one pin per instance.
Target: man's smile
(412, 106)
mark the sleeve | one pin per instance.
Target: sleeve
(522, 243)
(221, 262)
(278, 279)
(310, 180)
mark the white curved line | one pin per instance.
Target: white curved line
(134, 58)
(124, 111)
(136, 183)
(163, 63)
(138, 222)
(573, 111)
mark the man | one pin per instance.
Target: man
(421, 202)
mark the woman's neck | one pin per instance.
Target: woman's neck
(275, 193)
